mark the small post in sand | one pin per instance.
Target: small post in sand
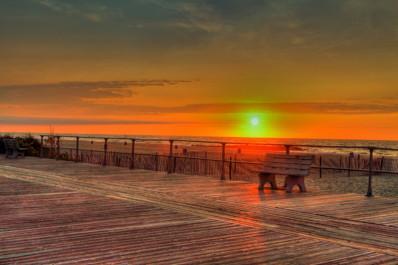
(41, 145)
(77, 149)
(287, 147)
(132, 161)
(105, 151)
(170, 167)
(223, 161)
(58, 147)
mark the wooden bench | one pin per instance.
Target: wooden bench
(12, 148)
(295, 167)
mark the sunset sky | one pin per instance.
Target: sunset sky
(249, 68)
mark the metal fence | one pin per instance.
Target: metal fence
(217, 163)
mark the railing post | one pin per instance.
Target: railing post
(58, 147)
(41, 145)
(370, 190)
(132, 162)
(223, 162)
(287, 147)
(320, 166)
(170, 166)
(235, 164)
(77, 149)
(230, 168)
(105, 151)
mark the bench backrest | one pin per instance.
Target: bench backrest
(295, 165)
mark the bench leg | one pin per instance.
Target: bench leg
(267, 178)
(302, 185)
(9, 153)
(291, 181)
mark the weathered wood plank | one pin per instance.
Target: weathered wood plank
(275, 164)
(77, 213)
(285, 171)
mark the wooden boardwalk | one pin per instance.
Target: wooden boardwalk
(57, 212)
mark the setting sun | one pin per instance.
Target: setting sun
(255, 121)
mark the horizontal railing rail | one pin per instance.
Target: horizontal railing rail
(227, 142)
(170, 162)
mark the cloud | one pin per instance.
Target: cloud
(10, 120)
(349, 108)
(72, 92)
(291, 28)
(192, 15)
(360, 107)
(94, 13)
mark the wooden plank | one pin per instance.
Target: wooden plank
(79, 213)
(289, 161)
(285, 171)
(287, 166)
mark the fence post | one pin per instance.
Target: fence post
(222, 162)
(77, 149)
(58, 147)
(132, 162)
(320, 166)
(170, 166)
(41, 145)
(105, 151)
(230, 168)
(370, 190)
(287, 149)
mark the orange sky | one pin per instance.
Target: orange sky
(303, 69)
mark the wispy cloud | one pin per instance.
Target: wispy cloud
(193, 15)
(349, 108)
(64, 92)
(70, 121)
(95, 13)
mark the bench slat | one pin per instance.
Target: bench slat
(296, 165)
(288, 161)
(285, 171)
(287, 166)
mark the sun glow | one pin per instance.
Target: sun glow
(256, 125)
(255, 121)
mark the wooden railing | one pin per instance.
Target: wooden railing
(222, 167)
